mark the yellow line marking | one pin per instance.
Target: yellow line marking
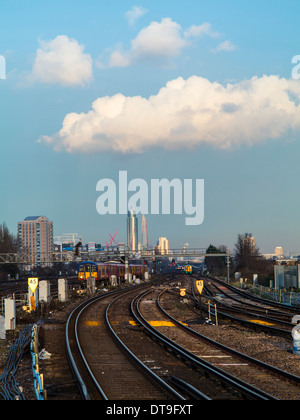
(92, 323)
(134, 323)
(256, 321)
(161, 324)
(158, 323)
(155, 323)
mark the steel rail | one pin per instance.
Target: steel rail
(292, 309)
(80, 381)
(236, 383)
(189, 389)
(268, 328)
(246, 312)
(277, 371)
(250, 298)
(77, 313)
(90, 372)
(153, 375)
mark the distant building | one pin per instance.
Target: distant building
(250, 241)
(144, 236)
(287, 275)
(132, 231)
(163, 246)
(68, 238)
(35, 237)
(279, 252)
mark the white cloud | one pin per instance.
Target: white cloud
(135, 14)
(119, 59)
(157, 42)
(204, 29)
(225, 46)
(62, 61)
(185, 114)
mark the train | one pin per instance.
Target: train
(188, 269)
(103, 271)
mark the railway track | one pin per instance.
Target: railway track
(113, 358)
(103, 366)
(278, 383)
(218, 384)
(251, 311)
(244, 298)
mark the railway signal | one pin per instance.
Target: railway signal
(33, 284)
(200, 286)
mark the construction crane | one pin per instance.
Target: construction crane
(112, 239)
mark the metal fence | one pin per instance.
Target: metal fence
(21, 300)
(280, 296)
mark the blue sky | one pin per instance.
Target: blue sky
(204, 91)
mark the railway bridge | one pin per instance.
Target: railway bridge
(105, 255)
(123, 255)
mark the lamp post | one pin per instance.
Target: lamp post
(228, 265)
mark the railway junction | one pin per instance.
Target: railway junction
(158, 340)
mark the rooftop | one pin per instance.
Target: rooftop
(34, 218)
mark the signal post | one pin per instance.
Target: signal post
(33, 283)
(200, 286)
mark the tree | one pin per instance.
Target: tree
(249, 261)
(246, 252)
(215, 265)
(8, 244)
(7, 240)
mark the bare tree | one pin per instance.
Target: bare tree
(249, 261)
(8, 244)
(246, 252)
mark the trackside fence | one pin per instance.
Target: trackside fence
(280, 296)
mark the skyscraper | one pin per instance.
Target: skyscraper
(35, 237)
(144, 238)
(132, 231)
(163, 246)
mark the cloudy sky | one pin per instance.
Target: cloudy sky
(172, 89)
